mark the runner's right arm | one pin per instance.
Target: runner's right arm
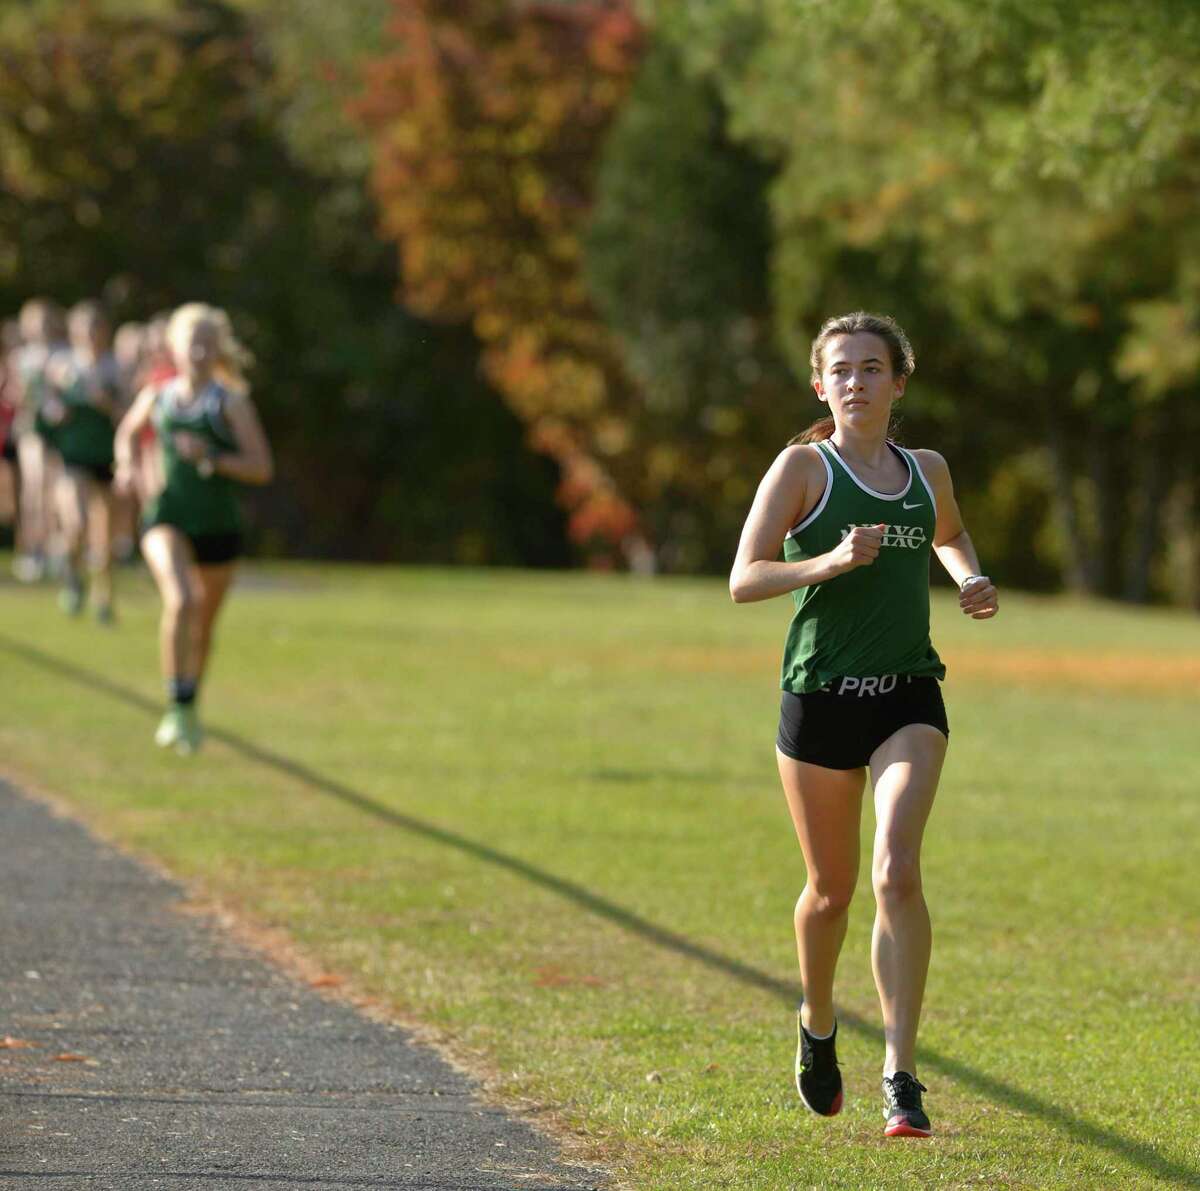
(125, 439)
(791, 486)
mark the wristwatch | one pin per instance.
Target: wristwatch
(206, 465)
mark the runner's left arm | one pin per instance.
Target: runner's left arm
(977, 595)
(252, 462)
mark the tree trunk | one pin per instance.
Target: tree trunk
(1078, 571)
(1195, 545)
(1191, 529)
(1108, 465)
(1156, 460)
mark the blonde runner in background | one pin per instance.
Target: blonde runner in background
(210, 440)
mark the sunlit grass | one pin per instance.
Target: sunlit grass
(540, 814)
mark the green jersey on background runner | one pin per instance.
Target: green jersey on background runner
(194, 503)
(84, 436)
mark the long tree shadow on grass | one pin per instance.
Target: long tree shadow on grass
(987, 1085)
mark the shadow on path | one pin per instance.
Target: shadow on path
(989, 1086)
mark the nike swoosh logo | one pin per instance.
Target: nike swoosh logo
(908, 506)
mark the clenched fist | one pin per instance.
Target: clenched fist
(859, 548)
(978, 598)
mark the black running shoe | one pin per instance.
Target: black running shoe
(904, 1115)
(818, 1079)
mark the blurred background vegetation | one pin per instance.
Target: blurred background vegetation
(533, 282)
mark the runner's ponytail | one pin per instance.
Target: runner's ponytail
(820, 430)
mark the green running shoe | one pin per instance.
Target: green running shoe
(170, 727)
(190, 732)
(29, 568)
(70, 599)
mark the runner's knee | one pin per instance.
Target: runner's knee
(895, 875)
(178, 600)
(826, 898)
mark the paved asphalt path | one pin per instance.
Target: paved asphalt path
(200, 1065)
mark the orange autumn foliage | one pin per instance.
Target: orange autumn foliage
(486, 121)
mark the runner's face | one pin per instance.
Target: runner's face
(857, 381)
(88, 334)
(128, 347)
(194, 347)
(36, 326)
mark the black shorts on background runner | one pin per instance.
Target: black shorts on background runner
(210, 549)
(216, 549)
(102, 473)
(840, 726)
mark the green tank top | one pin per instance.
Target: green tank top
(84, 437)
(31, 362)
(873, 620)
(194, 503)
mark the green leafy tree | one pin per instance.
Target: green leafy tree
(1034, 161)
(678, 248)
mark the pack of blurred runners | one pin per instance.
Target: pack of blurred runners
(146, 432)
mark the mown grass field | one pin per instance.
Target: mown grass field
(539, 813)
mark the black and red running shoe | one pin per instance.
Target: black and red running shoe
(818, 1079)
(904, 1114)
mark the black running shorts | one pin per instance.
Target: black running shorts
(210, 549)
(840, 726)
(214, 549)
(101, 473)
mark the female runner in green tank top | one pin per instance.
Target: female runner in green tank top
(856, 518)
(76, 419)
(210, 440)
(43, 334)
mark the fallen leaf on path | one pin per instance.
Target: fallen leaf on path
(8, 1042)
(68, 1057)
(328, 980)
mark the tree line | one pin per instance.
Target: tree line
(544, 274)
